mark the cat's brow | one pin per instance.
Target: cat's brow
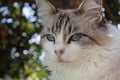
(63, 23)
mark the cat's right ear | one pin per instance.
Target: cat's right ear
(45, 8)
(92, 6)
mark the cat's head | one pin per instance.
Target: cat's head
(72, 35)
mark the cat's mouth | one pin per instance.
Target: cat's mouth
(63, 61)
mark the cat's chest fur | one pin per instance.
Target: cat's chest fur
(98, 68)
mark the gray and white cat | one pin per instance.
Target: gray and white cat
(79, 44)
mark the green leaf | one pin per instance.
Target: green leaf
(30, 28)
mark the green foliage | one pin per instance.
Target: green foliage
(19, 53)
(112, 10)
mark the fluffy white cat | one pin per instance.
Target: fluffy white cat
(79, 44)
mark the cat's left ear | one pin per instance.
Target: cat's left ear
(91, 5)
(46, 10)
(45, 7)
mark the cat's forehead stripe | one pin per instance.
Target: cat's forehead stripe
(63, 23)
(60, 23)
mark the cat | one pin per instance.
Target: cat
(79, 44)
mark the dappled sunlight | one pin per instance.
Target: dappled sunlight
(20, 47)
(118, 26)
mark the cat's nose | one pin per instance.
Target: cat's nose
(58, 53)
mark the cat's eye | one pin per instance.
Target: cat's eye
(76, 37)
(50, 37)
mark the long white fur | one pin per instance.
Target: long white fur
(102, 64)
(92, 63)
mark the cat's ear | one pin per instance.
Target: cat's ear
(45, 7)
(94, 6)
(91, 4)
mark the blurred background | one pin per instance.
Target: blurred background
(20, 50)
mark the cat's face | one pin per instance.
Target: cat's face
(71, 36)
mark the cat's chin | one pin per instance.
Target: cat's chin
(63, 61)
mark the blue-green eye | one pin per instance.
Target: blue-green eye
(76, 37)
(50, 37)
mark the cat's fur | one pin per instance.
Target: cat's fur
(96, 56)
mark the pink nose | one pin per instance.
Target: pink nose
(58, 53)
